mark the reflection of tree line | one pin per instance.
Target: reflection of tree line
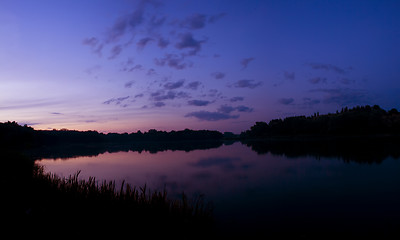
(363, 134)
(77, 150)
(358, 149)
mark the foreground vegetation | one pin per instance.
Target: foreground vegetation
(35, 198)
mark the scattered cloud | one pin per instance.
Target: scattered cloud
(218, 75)
(196, 21)
(199, 21)
(211, 116)
(116, 101)
(242, 108)
(226, 109)
(245, 62)
(329, 67)
(188, 42)
(199, 103)
(143, 42)
(193, 85)
(159, 104)
(286, 101)
(162, 43)
(139, 95)
(115, 51)
(173, 61)
(289, 75)
(174, 85)
(236, 99)
(129, 84)
(317, 80)
(170, 95)
(310, 102)
(344, 96)
(247, 83)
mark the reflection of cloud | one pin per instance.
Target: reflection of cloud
(223, 162)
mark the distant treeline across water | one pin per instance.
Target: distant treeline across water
(358, 121)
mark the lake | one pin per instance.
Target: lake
(258, 189)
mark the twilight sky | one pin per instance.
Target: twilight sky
(123, 66)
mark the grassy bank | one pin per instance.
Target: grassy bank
(36, 198)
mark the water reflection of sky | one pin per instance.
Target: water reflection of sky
(246, 187)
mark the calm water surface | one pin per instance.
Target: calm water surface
(260, 192)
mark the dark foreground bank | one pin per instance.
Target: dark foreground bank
(33, 198)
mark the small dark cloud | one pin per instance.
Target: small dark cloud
(173, 61)
(193, 85)
(218, 75)
(162, 43)
(247, 83)
(186, 41)
(90, 41)
(159, 104)
(289, 75)
(115, 51)
(198, 103)
(236, 99)
(56, 113)
(317, 80)
(329, 67)
(196, 21)
(226, 109)
(214, 18)
(245, 62)
(344, 96)
(286, 101)
(211, 116)
(138, 95)
(174, 85)
(151, 72)
(116, 101)
(129, 84)
(143, 42)
(242, 108)
(310, 102)
(346, 81)
(199, 21)
(170, 95)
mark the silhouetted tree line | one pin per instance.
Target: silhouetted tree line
(13, 134)
(360, 120)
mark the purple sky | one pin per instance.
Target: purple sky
(124, 66)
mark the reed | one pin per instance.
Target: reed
(101, 203)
